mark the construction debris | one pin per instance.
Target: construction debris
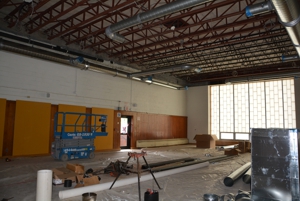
(116, 168)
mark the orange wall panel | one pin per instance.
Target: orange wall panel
(2, 122)
(105, 142)
(31, 129)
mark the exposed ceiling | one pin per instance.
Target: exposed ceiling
(216, 37)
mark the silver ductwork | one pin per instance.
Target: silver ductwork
(258, 8)
(162, 70)
(158, 12)
(289, 16)
(288, 12)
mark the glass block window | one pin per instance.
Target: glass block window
(274, 105)
(257, 105)
(226, 108)
(289, 104)
(241, 108)
(237, 108)
(227, 136)
(214, 110)
(242, 136)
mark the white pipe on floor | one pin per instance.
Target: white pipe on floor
(122, 182)
(44, 185)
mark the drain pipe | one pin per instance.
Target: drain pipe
(288, 13)
(155, 13)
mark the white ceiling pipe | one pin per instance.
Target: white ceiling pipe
(155, 13)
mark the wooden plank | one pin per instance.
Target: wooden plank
(9, 128)
(2, 122)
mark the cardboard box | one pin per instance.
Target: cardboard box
(61, 174)
(88, 181)
(232, 152)
(79, 169)
(242, 146)
(205, 140)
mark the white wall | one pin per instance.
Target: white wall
(31, 79)
(197, 111)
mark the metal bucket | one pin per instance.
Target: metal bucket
(210, 197)
(89, 197)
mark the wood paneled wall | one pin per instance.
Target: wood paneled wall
(8, 137)
(143, 126)
(146, 126)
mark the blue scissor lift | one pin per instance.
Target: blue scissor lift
(74, 134)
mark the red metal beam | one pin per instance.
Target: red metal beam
(227, 34)
(51, 14)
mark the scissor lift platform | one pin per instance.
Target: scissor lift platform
(74, 134)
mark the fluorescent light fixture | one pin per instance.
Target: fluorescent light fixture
(137, 78)
(164, 85)
(197, 70)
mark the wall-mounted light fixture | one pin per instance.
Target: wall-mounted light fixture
(164, 85)
(181, 67)
(76, 61)
(86, 65)
(147, 79)
(136, 78)
(197, 70)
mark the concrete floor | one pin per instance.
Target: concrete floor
(18, 177)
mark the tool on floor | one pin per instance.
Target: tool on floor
(74, 134)
(7, 160)
(116, 168)
(136, 156)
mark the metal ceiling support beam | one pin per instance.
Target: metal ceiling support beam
(69, 24)
(288, 13)
(197, 33)
(18, 18)
(80, 33)
(182, 15)
(51, 14)
(212, 46)
(289, 16)
(162, 70)
(158, 12)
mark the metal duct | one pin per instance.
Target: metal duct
(258, 8)
(162, 70)
(247, 177)
(289, 16)
(56, 56)
(149, 15)
(288, 13)
(229, 180)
